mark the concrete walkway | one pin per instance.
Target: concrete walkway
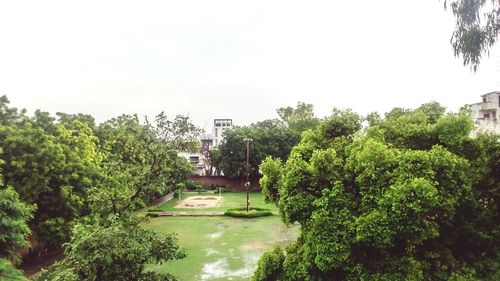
(190, 214)
(161, 200)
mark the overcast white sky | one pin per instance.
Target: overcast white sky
(233, 59)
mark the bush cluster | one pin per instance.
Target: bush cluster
(194, 186)
(198, 187)
(253, 213)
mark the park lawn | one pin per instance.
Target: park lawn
(221, 248)
(230, 200)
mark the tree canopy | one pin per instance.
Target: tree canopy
(269, 137)
(14, 231)
(84, 183)
(410, 197)
(117, 249)
(300, 118)
(272, 137)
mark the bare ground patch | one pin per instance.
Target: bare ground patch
(199, 202)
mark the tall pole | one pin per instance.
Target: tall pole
(247, 184)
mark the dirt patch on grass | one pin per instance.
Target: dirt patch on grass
(199, 202)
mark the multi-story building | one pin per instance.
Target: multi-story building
(486, 113)
(220, 125)
(201, 160)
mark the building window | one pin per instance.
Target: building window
(194, 159)
(484, 99)
(499, 101)
(486, 116)
(494, 115)
(216, 132)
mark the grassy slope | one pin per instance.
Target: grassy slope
(221, 248)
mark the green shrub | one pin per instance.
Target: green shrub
(200, 188)
(269, 266)
(211, 187)
(253, 213)
(191, 185)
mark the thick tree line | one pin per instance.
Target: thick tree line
(65, 179)
(273, 137)
(410, 197)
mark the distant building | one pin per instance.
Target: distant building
(486, 113)
(220, 125)
(196, 159)
(201, 160)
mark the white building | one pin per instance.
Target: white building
(198, 159)
(486, 113)
(220, 125)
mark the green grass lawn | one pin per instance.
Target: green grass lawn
(230, 200)
(221, 248)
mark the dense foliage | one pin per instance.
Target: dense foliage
(85, 182)
(268, 138)
(13, 231)
(298, 119)
(50, 165)
(117, 250)
(411, 197)
(269, 266)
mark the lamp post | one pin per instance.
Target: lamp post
(247, 183)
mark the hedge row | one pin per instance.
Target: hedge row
(253, 213)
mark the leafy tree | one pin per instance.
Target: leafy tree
(67, 119)
(414, 197)
(300, 118)
(9, 115)
(9, 272)
(13, 231)
(476, 30)
(271, 170)
(52, 169)
(342, 123)
(13, 226)
(141, 159)
(269, 137)
(115, 250)
(87, 183)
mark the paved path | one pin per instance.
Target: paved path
(190, 214)
(162, 200)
